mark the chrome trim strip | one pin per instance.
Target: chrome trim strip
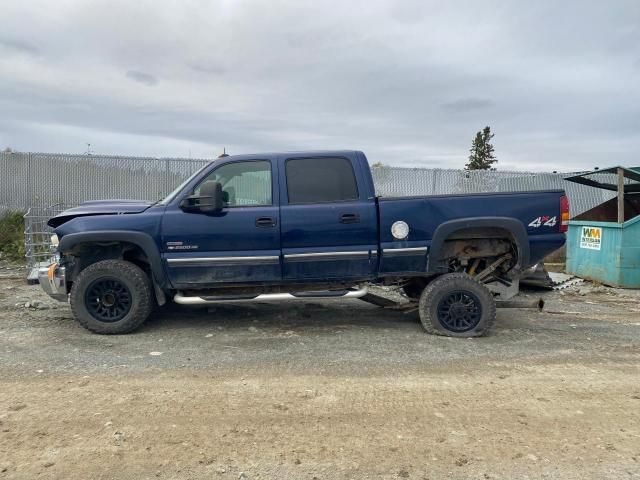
(411, 249)
(327, 254)
(405, 250)
(219, 260)
(184, 300)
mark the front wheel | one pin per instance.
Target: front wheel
(112, 297)
(455, 305)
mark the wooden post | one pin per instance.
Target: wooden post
(620, 195)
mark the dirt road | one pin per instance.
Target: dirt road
(327, 390)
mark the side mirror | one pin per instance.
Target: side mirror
(209, 200)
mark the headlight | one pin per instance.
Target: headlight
(55, 241)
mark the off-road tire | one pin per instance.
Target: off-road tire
(451, 285)
(132, 277)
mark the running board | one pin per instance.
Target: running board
(184, 300)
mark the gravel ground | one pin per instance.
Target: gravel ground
(327, 389)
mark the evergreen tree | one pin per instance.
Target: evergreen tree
(482, 157)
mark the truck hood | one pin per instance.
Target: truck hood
(100, 207)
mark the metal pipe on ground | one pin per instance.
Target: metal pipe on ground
(538, 303)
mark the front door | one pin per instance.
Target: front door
(329, 228)
(239, 244)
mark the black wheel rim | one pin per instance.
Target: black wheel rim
(459, 311)
(108, 300)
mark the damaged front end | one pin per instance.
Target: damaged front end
(53, 280)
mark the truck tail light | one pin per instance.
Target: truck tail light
(564, 214)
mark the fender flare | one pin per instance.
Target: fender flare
(142, 240)
(512, 225)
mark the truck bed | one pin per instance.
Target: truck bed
(539, 213)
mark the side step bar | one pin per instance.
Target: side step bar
(184, 300)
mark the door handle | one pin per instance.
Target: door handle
(265, 222)
(349, 218)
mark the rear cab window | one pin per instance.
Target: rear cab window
(320, 180)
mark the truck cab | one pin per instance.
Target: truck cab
(293, 218)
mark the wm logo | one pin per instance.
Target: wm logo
(591, 232)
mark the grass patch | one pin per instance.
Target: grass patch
(12, 236)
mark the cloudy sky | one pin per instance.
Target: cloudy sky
(409, 82)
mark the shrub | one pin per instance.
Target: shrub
(12, 236)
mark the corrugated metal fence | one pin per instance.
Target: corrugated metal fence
(37, 179)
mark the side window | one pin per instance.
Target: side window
(244, 184)
(319, 180)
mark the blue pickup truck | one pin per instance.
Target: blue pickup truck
(295, 226)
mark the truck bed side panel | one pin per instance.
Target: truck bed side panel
(425, 214)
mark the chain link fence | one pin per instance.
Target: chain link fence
(35, 179)
(396, 181)
(41, 179)
(43, 184)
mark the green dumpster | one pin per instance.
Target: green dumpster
(603, 243)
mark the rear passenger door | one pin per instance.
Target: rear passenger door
(328, 227)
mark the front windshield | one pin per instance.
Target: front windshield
(179, 188)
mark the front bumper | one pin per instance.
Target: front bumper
(53, 281)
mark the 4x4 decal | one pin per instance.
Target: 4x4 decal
(544, 220)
